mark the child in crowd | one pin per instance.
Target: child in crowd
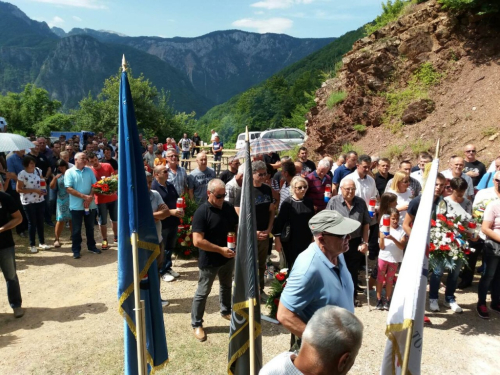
(391, 253)
(159, 160)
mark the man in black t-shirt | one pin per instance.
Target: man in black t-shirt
(307, 165)
(264, 214)
(229, 173)
(108, 158)
(212, 221)
(473, 167)
(196, 144)
(10, 217)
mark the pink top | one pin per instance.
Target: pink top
(492, 213)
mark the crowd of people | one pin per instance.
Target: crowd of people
(322, 218)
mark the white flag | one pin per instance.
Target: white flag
(408, 300)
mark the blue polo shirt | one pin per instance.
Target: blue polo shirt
(340, 173)
(81, 181)
(15, 165)
(314, 283)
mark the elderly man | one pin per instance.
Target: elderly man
(10, 217)
(415, 187)
(317, 180)
(456, 170)
(170, 223)
(199, 178)
(353, 207)
(212, 221)
(78, 182)
(177, 175)
(473, 167)
(213, 135)
(319, 276)
(342, 171)
(229, 173)
(330, 324)
(423, 159)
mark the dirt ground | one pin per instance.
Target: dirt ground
(72, 325)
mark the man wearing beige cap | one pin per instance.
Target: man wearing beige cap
(319, 276)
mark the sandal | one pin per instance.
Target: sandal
(104, 245)
(57, 243)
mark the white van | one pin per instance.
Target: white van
(240, 142)
(3, 125)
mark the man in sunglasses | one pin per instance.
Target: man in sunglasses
(320, 276)
(212, 221)
(473, 167)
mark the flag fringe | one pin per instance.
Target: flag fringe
(155, 248)
(389, 332)
(238, 309)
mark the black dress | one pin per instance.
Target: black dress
(298, 213)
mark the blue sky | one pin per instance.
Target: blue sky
(189, 18)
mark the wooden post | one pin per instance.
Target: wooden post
(251, 318)
(139, 327)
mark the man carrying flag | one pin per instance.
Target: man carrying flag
(403, 350)
(138, 283)
(245, 339)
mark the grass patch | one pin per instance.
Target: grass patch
(418, 87)
(391, 11)
(360, 128)
(488, 132)
(346, 147)
(292, 153)
(394, 151)
(420, 146)
(336, 98)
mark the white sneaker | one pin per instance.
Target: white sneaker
(168, 277)
(164, 303)
(434, 305)
(173, 273)
(453, 305)
(44, 246)
(33, 249)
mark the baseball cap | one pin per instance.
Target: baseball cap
(332, 222)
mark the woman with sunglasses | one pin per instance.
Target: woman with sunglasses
(296, 210)
(400, 186)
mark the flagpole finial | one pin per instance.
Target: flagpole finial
(437, 149)
(124, 64)
(247, 136)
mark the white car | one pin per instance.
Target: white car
(3, 125)
(240, 142)
(291, 136)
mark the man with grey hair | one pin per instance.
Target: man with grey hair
(330, 344)
(317, 181)
(456, 170)
(319, 276)
(233, 188)
(212, 221)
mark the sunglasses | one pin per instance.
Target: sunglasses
(301, 187)
(172, 156)
(342, 236)
(220, 196)
(497, 180)
(471, 151)
(262, 174)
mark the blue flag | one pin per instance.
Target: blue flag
(136, 216)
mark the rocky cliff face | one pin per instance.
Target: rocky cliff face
(431, 74)
(223, 63)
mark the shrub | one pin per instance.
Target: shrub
(488, 132)
(420, 146)
(390, 12)
(335, 98)
(481, 6)
(394, 151)
(346, 147)
(360, 128)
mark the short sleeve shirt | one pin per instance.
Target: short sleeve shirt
(215, 224)
(314, 283)
(475, 166)
(185, 144)
(492, 213)
(31, 181)
(7, 208)
(106, 170)
(198, 181)
(358, 211)
(156, 201)
(281, 365)
(179, 179)
(217, 147)
(81, 181)
(340, 173)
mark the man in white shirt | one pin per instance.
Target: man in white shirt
(212, 137)
(330, 324)
(456, 167)
(424, 158)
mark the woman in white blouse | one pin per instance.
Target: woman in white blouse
(29, 186)
(401, 187)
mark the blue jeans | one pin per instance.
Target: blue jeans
(451, 281)
(205, 282)
(169, 235)
(78, 217)
(34, 214)
(185, 156)
(8, 267)
(490, 276)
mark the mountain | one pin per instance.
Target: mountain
(220, 64)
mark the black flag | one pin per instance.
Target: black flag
(246, 284)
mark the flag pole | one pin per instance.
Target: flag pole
(409, 335)
(437, 149)
(139, 326)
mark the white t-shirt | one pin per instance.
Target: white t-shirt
(185, 144)
(403, 198)
(31, 181)
(464, 209)
(392, 253)
(488, 194)
(281, 365)
(212, 138)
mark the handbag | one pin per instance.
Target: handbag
(491, 248)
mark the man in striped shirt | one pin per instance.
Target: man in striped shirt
(317, 181)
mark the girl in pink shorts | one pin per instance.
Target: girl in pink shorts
(391, 253)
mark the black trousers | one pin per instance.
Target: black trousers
(468, 272)
(373, 247)
(353, 259)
